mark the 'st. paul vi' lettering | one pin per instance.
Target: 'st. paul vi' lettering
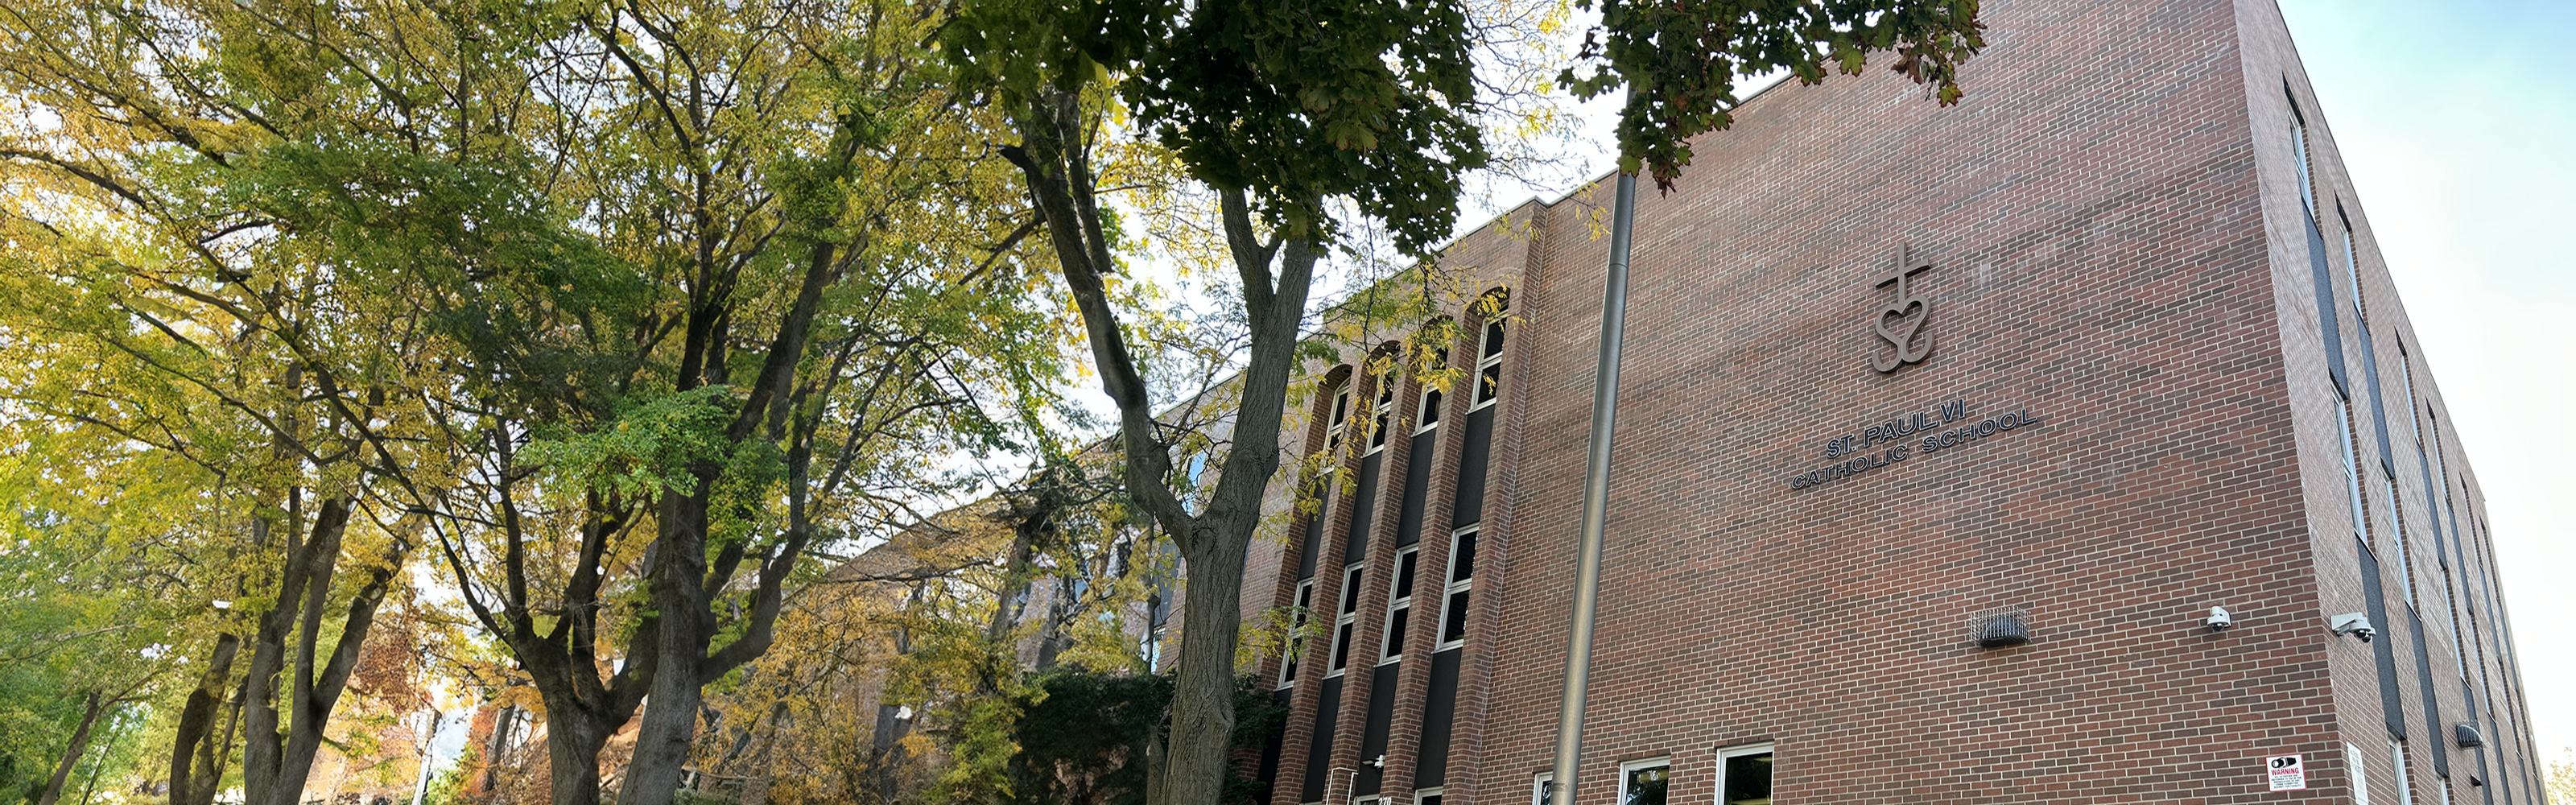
(1906, 436)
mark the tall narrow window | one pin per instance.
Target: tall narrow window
(1349, 617)
(2351, 468)
(1489, 363)
(1399, 608)
(1643, 782)
(1744, 775)
(1430, 410)
(1382, 411)
(1297, 632)
(1542, 788)
(1341, 418)
(2299, 151)
(2351, 269)
(1462, 580)
(2405, 786)
(2397, 537)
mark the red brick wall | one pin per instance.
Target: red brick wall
(2117, 250)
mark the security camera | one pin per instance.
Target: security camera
(2218, 620)
(2352, 623)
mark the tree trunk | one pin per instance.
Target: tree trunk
(572, 752)
(671, 712)
(1203, 696)
(195, 734)
(72, 754)
(274, 765)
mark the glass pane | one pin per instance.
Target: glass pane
(1456, 627)
(1645, 786)
(1342, 648)
(1351, 592)
(1493, 338)
(1464, 567)
(1431, 411)
(1404, 574)
(1486, 380)
(1747, 780)
(1395, 632)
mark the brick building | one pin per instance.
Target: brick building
(2157, 367)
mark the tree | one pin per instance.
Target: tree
(2559, 783)
(1305, 120)
(620, 307)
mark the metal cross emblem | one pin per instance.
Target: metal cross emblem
(1902, 337)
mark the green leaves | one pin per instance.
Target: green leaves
(649, 449)
(1680, 61)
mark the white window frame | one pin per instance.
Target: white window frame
(2299, 152)
(1423, 398)
(2351, 466)
(1492, 330)
(2358, 772)
(1297, 640)
(1426, 793)
(1451, 587)
(1387, 633)
(1339, 420)
(2397, 540)
(1337, 658)
(1717, 792)
(1539, 785)
(1381, 412)
(1664, 762)
(2405, 787)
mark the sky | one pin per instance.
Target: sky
(2457, 121)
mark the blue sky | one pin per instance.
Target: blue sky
(2454, 120)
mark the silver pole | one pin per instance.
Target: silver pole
(1596, 494)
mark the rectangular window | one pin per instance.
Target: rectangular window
(1744, 775)
(1462, 580)
(1297, 632)
(2351, 269)
(2405, 787)
(2397, 538)
(2299, 150)
(1341, 417)
(1542, 787)
(1429, 411)
(1642, 782)
(1381, 412)
(1348, 618)
(2351, 469)
(1428, 796)
(1489, 363)
(1399, 608)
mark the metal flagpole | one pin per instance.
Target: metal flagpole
(1596, 494)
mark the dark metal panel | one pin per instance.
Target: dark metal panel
(1320, 755)
(2434, 737)
(2391, 708)
(1432, 763)
(1417, 479)
(1381, 713)
(1364, 497)
(1270, 744)
(2378, 410)
(2324, 275)
(1314, 535)
(1472, 451)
